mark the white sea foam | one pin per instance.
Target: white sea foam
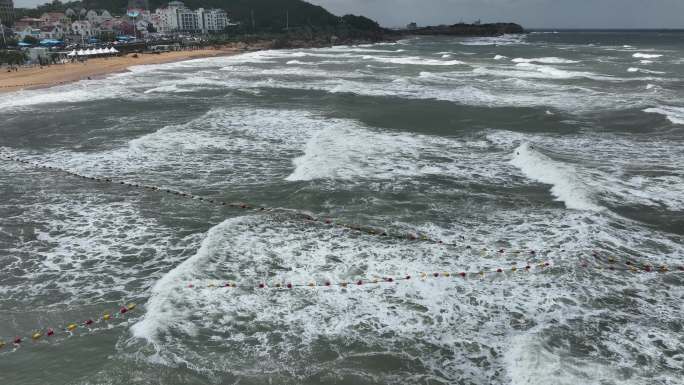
(499, 40)
(414, 60)
(529, 70)
(162, 311)
(566, 186)
(79, 92)
(645, 71)
(545, 60)
(673, 114)
(500, 57)
(646, 62)
(622, 179)
(530, 361)
(640, 55)
(298, 62)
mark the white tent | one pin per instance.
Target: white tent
(72, 53)
(90, 52)
(113, 50)
(81, 53)
(99, 51)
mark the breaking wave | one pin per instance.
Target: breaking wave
(565, 184)
(545, 60)
(673, 114)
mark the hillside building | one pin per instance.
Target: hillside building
(176, 17)
(7, 12)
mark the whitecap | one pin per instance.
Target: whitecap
(565, 184)
(545, 60)
(673, 114)
(640, 55)
(645, 71)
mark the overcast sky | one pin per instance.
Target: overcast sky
(529, 13)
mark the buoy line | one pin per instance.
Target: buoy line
(68, 330)
(306, 217)
(599, 262)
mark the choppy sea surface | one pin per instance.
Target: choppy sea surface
(570, 144)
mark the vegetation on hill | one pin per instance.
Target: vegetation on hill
(288, 22)
(254, 16)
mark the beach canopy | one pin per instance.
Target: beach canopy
(81, 53)
(51, 42)
(72, 53)
(113, 50)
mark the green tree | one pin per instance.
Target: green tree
(30, 40)
(12, 57)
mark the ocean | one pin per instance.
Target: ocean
(548, 167)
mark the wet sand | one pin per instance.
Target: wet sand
(36, 77)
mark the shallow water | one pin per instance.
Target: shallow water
(568, 144)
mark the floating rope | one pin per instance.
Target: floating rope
(491, 251)
(69, 329)
(323, 221)
(610, 263)
(423, 276)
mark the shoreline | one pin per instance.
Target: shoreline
(57, 74)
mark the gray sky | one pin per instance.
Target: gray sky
(529, 13)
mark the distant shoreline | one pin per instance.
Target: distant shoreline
(49, 76)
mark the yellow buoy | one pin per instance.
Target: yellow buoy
(131, 306)
(71, 327)
(36, 335)
(106, 317)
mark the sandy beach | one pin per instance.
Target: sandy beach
(36, 77)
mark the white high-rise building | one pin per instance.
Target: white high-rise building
(168, 17)
(176, 17)
(6, 12)
(213, 20)
(188, 20)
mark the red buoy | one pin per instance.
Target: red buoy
(17, 340)
(50, 332)
(462, 274)
(89, 321)
(123, 310)
(289, 286)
